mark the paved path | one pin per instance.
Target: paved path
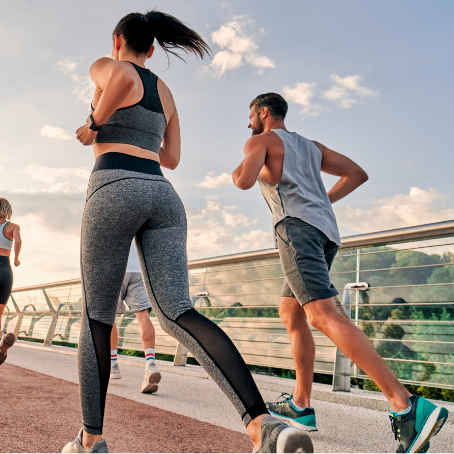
(188, 414)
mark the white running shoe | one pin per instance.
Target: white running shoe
(115, 373)
(151, 379)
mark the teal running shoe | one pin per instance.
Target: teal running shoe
(284, 409)
(414, 429)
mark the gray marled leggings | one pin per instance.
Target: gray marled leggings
(121, 205)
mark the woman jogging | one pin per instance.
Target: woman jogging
(134, 129)
(8, 233)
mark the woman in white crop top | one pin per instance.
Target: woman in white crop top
(9, 232)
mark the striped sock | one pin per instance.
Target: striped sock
(149, 356)
(113, 357)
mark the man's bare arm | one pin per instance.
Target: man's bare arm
(247, 172)
(351, 174)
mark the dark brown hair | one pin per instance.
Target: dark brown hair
(140, 30)
(276, 104)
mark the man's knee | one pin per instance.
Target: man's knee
(320, 313)
(291, 313)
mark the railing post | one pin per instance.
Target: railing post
(342, 364)
(53, 324)
(181, 356)
(20, 316)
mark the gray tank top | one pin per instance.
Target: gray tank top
(142, 124)
(301, 193)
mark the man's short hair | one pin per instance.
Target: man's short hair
(276, 104)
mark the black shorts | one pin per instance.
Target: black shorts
(6, 279)
(306, 256)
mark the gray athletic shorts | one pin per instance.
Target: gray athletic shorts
(306, 256)
(133, 293)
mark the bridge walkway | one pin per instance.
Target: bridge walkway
(40, 412)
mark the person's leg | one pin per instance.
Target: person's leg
(162, 253)
(136, 298)
(147, 331)
(109, 223)
(6, 284)
(2, 308)
(303, 348)
(114, 337)
(354, 344)
(152, 376)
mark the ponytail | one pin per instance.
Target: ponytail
(140, 30)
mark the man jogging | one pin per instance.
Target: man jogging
(135, 296)
(288, 168)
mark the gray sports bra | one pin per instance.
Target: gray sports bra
(5, 243)
(142, 124)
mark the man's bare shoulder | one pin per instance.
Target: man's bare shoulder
(267, 138)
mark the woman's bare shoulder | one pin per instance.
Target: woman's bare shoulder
(10, 228)
(107, 65)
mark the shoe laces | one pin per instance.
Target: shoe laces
(286, 398)
(395, 427)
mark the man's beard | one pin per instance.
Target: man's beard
(257, 128)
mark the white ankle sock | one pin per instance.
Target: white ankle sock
(149, 356)
(113, 357)
(297, 407)
(404, 412)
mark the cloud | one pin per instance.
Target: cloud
(50, 174)
(419, 206)
(54, 132)
(212, 182)
(237, 47)
(59, 207)
(63, 188)
(235, 219)
(301, 94)
(344, 89)
(66, 66)
(83, 88)
(212, 230)
(47, 255)
(256, 239)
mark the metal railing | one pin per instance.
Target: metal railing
(406, 307)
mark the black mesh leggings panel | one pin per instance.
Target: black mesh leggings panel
(122, 205)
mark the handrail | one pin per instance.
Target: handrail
(406, 234)
(419, 232)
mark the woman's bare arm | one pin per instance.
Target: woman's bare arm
(169, 155)
(115, 82)
(17, 244)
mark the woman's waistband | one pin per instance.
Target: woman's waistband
(122, 161)
(4, 259)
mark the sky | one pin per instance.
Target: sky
(372, 80)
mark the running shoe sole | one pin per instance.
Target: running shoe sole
(152, 385)
(294, 440)
(432, 426)
(294, 423)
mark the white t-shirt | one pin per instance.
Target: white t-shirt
(133, 260)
